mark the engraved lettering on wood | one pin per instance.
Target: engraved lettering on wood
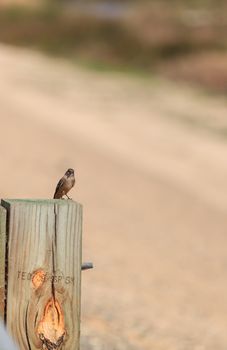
(44, 270)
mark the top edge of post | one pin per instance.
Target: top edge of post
(5, 201)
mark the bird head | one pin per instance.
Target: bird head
(69, 172)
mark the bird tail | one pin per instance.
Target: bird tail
(56, 195)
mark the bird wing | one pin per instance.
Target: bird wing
(59, 185)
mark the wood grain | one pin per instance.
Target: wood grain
(44, 273)
(2, 259)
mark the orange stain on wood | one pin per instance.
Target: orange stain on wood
(38, 278)
(51, 328)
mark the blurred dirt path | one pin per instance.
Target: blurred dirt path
(152, 169)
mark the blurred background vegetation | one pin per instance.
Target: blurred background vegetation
(180, 39)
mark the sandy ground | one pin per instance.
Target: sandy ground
(151, 170)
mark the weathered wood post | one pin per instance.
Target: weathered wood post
(2, 260)
(40, 272)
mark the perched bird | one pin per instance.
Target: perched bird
(65, 184)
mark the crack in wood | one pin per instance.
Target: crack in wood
(35, 321)
(54, 248)
(26, 327)
(53, 269)
(55, 226)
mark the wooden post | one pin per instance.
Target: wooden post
(43, 265)
(2, 260)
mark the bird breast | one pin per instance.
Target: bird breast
(69, 183)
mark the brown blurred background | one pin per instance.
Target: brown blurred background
(132, 95)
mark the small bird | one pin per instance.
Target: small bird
(65, 184)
